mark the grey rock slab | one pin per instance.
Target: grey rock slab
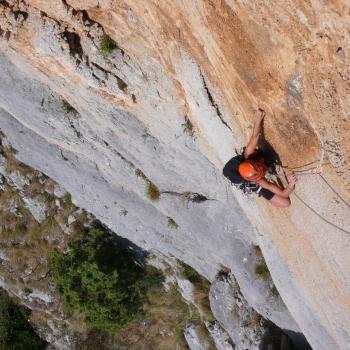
(186, 289)
(36, 207)
(12, 206)
(230, 308)
(2, 164)
(219, 335)
(59, 191)
(57, 338)
(71, 219)
(312, 326)
(17, 180)
(194, 339)
(38, 294)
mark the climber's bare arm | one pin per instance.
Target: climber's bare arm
(292, 180)
(253, 142)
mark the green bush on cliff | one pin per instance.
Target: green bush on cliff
(16, 333)
(101, 280)
(153, 192)
(107, 45)
(194, 277)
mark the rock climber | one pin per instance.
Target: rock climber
(247, 171)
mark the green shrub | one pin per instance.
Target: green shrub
(188, 126)
(67, 201)
(274, 291)
(101, 280)
(172, 223)
(153, 192)
(194, 277)
(107, 45)
(16, 333)
(262, 270)
(191, 274)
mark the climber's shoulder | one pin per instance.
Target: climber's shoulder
(230, 169)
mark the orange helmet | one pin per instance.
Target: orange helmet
(252, 170)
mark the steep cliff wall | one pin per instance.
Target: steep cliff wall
(168, 106)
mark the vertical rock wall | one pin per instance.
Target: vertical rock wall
(207, 63)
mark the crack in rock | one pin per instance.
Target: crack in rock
(212, 101)
(189, 196)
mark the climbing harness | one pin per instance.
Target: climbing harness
(248, 188)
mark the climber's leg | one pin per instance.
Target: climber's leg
(274, 199)
(279, 201)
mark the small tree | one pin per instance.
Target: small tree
(101, 280)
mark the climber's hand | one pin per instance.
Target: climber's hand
(292, 180)
(260, 114)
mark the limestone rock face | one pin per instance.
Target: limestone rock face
(221, 339)
(168, 106)
(243, 324)
(194, 339)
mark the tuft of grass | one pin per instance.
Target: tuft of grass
(68, 107)
(188, 126)
(139, 173)
(194, 277)
(67, 202)
(107, 45)
(12, 164)
(172, 223)
(274, 291)
(36, 232)
(124, 212)
(47, 198)
(153, 192)
(262, 270)
(19, 230)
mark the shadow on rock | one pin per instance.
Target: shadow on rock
(140, 255)
(271, 157)
(278, 339)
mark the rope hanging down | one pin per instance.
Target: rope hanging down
(317, 171)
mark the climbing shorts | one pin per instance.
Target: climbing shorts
(265, 193)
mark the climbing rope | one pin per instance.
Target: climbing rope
(297, 173)
(320, 216)
(317, 171)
